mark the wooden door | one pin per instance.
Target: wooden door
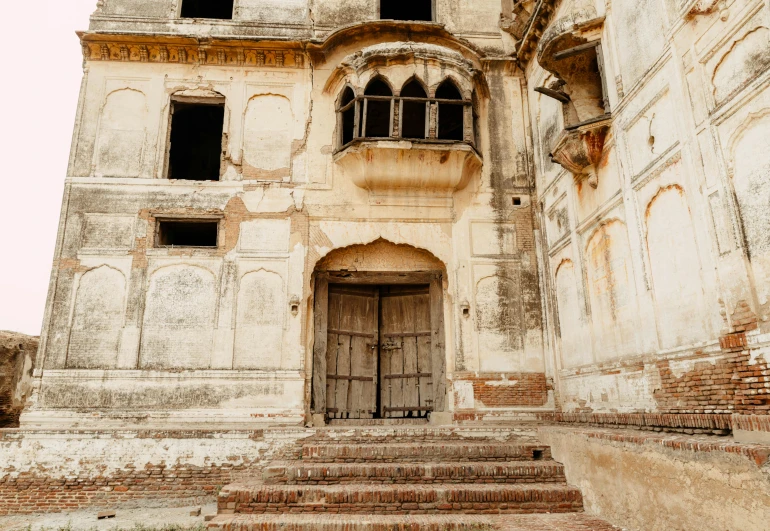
(351, 351)
(406, 373)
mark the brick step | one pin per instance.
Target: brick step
(405, 433)
(364, 522)
(376, 422)
(255, 497)
(426, 452)
(301, 473)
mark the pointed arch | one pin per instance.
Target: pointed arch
(675, 268)
(414, 113)
(179, 315)
(451, 116)
(98, 319)
(259, 320)
(347, 115)
(378, 111)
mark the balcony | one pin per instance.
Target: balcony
(396, 164)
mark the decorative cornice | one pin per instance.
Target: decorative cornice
(100, 47)
(537, 24)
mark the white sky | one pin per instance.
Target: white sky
(42, 69)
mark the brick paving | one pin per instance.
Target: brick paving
(369, 479)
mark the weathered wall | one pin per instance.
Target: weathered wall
(644, 482)
(140, 334)
(43, 472)
(656, 277)
(17, 358)
(474, 19)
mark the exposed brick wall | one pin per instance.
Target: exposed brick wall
(17, 353)
(496, 390)
(32, 492)
(733, 384)
(751, 422)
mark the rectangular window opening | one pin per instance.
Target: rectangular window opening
(218, 9)
(192, 233)
(419, 10)
(195, 152)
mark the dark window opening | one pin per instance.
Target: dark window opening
(517, 201)
(221, 9)
(348, 111)
(580, 85)
(406, 10)
(413, 119)
(196, 142)
(537, 455)
(450, 115)
(378, 111)
(187, 233)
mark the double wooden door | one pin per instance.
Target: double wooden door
(378, 351)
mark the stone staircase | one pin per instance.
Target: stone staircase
(408, 478)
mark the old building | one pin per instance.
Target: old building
(303, 212)
(292, 208)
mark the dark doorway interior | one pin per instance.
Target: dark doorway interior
(220, 9)
(196, 142)
(421, 10)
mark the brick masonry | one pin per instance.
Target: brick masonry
(499, 390)
(36, 492)
(735, 383)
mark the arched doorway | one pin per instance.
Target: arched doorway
(379, 348)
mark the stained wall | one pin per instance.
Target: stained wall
(141, 334)
(656, 278)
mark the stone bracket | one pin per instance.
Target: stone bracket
(579, 150)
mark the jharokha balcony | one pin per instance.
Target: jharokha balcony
(409, 140)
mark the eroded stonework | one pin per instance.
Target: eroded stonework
(594, 210)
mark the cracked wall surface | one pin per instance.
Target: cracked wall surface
(138, 333)
(656, 283)
(641, 289)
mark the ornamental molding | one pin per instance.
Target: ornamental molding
(99, 48)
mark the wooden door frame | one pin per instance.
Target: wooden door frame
(320, 324)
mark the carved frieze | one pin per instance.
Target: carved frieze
(192, 54)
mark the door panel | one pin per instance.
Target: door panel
(351, 351)
(405, 352)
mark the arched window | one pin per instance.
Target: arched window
(414, 110)
(378, 111)
(406, 10)
(347, 109)
(450, 114)
(411, 115)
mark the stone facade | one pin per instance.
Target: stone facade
(652, 255)
(141, 333)
(594, 216)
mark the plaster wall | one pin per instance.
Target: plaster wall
(647, 486)
(649, 269)
(138, 334)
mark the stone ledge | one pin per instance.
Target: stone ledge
(690, 423)
(684, 483)
(758, 454)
